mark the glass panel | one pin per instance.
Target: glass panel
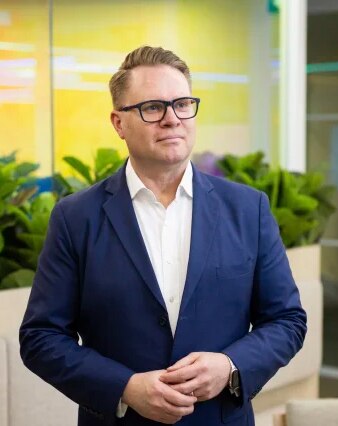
(230, 75)
(25, 116)
(322, 153)
(217, 39)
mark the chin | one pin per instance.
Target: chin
(175, 159)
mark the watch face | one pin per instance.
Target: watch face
(235, 379)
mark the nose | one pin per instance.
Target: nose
(170, 118)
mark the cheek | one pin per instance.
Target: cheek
(131, 133)
(138, 138)
(191, 131)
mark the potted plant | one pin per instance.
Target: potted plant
(301, 204)
(24, 216)
(106, 162)
(20, 229)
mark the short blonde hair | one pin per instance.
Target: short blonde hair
(144, 55)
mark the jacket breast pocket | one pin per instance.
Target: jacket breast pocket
(236, 270)
(234, 288)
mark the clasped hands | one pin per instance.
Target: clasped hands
(167, 395)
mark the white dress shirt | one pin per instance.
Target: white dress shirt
(166, 233)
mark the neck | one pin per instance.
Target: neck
(163, 182)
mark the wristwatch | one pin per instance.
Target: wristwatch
(234, 385)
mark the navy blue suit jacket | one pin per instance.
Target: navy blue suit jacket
(95, 280)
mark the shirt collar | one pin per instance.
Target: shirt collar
(135, 184)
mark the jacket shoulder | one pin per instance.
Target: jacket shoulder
(85, 203)
(233, 192)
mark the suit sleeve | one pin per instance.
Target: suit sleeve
(277, 318)
(48, 334)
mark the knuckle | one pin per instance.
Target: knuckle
(154, 391)
(189, 410)
(199, 382)
(174, 411)
(204, 367)
(180, 374)
(209, 393)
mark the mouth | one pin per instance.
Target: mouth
(171, 138)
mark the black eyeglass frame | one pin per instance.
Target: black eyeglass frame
(166, 104)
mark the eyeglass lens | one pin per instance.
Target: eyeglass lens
(155, 110)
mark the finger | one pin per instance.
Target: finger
(178, 399)
(173, 410)
(187, 387)
(183, 362)
(181, 375)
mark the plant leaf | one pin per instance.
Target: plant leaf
(20, 278)
(7, 188)
(7, 265)
(8, 158)
(32, 241)
(27, 257)
(24, 169)
(80, 167)
(2, 242)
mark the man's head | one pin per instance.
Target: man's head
(158, 134)
(147, 56)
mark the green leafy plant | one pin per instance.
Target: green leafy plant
(300, 202)
(16, 186)
(24, 215)
(24, 242)
(106, 162)
(23, 222)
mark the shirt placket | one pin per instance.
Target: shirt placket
(170, 264)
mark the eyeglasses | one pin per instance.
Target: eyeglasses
(155, 110)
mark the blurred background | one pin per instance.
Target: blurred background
(56, 58)
(322, 151)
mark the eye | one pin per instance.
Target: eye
(152, 107)
(183, 104)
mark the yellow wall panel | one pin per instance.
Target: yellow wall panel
(90, 40)
(212, 36)
(25, 104)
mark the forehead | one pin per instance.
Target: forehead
(156, 82)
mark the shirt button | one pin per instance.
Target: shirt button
(169, 262)
(172, 299)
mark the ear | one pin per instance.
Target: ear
(117, 123)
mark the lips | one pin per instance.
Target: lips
(169, 137)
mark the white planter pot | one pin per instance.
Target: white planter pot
(305, 266)
(305, 262)
(13, 304)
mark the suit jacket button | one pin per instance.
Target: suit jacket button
(163, 320)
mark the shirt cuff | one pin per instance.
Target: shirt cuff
(121, 409)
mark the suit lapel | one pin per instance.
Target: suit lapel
(120, 212)
(205, 216)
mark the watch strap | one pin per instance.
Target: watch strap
(234, 383)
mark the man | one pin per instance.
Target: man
(160, 270)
